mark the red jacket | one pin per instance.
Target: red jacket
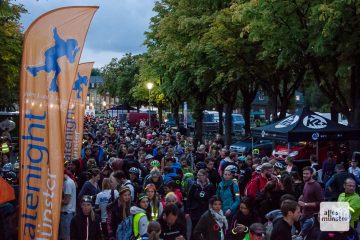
(255, 185)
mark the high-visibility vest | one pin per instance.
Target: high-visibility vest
(154, 213)
(5, 148)
(136, 220)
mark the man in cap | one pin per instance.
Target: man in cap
(86, 224)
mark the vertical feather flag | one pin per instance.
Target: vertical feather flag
(52, 47)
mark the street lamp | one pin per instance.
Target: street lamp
(149, 86)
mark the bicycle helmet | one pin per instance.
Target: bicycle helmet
(155, 163)
(258, 169)
(149, 156)
(7, 167)
(16, 166)
(279, 166)
(134, 170)
(10, 176)
(200, 165)
(232, 169)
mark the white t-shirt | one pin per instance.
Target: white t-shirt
(69, 189)
(102, 199)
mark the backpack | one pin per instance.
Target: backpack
(186, 183)
(257, 184)
(232, 190)
(127, 230)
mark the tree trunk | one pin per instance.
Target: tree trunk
(284, 107)
(199, 107)
(334, 113)
(175, 108)
(354, 120)
(228, 122)
(220, 109)
(274, 104)
(247, 110)
(160, 110)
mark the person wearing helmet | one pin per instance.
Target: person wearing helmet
(8, 167)
(154, 163)
(278, 168)
(155, 178)
(233, 169)
(134, 177)
(228, 192)
(200, 165)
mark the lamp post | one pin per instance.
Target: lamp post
(149, 86)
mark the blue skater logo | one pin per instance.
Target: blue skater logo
(81, 80)
(61, 48)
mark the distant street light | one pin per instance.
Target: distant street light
(149, 86)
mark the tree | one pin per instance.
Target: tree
(120, 77)
(334, 55)
(10, 53)
(148, 74)
(174, 39)
(95, 72)
(278, 27)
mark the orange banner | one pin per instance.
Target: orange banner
(52, 47)
(74, 128)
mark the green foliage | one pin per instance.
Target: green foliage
(120, 77)
(95, 72)
(10, 53)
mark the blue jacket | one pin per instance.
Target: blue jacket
(224, 193)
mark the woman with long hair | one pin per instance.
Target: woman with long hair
(101, 202)
(242, 219)
(118, 211)
(155, 204)
(212, 224)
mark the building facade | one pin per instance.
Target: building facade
(94, 100)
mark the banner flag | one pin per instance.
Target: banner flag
(51, 52)
(75, 115)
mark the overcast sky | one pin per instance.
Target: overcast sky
(117, 28)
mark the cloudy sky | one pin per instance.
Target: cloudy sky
(117, 28)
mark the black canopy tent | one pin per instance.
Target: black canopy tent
(305, 125)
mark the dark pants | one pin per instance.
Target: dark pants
(104, 230)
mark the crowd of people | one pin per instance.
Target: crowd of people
(136, 182)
